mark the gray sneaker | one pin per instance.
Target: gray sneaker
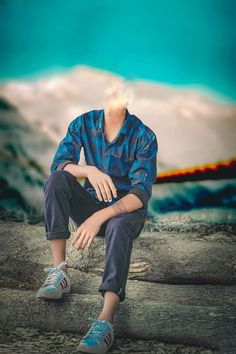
(56, 284)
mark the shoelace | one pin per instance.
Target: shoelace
(54, 272)
(96, 330)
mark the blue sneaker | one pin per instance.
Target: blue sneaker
(99, 337)
(56, 284)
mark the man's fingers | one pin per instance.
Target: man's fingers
(98, 193)
(75, 236)
(85, 242)
(108, 191)
(80, 240)
(89, 242)
(112, 187)
(103, 192)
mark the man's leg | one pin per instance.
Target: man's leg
(64, 196)
(120, 232)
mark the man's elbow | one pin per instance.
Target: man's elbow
(61, 165)
(141, 194)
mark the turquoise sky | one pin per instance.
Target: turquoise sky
(172, 41)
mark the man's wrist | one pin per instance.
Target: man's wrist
(126, 204)
(88, 169)
(105, 213)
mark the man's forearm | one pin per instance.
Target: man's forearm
(79, 171)
(126, 204)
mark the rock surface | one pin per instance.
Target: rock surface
(160, 314)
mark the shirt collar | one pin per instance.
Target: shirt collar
(125, 126)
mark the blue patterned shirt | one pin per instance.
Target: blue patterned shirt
(130, 159)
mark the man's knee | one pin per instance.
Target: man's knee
(56, 179)
(117, 226)
(126, 224)
(116, 222)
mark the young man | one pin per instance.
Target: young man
(120, 152)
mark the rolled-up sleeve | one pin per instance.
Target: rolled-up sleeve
(143, 172)
(69, 148)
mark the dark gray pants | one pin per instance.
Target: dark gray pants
(65, 197)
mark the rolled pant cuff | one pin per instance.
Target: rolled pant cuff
(120, 292)
(53, 235)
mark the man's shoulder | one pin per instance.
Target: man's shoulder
(143, 129)
(87, 117)
(93, 113)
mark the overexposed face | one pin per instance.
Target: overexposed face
(116, 98)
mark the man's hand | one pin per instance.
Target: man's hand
(86, 232)
(102, 183)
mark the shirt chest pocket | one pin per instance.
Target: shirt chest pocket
(120, 163)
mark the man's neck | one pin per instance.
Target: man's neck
(114, 117)
(113, 121)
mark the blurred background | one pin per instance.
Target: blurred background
(177, 57)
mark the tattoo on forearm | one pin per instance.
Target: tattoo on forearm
(119, 207)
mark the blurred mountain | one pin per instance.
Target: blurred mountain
(24, 153)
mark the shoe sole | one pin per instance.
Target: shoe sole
(86, 349)
(92, 351)
(51, 295)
